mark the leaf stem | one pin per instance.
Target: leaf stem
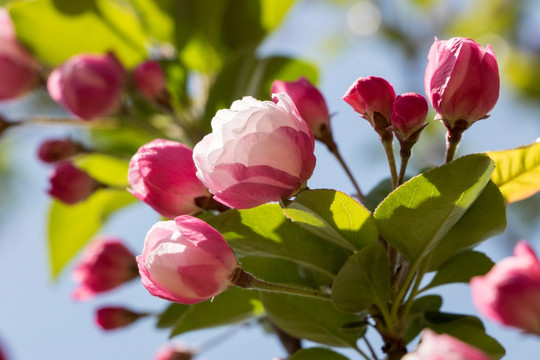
(247, 281)
(411, 272)
(363, 354)
(371, 350)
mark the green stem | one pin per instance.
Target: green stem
(359, 193)
(389, 150)
(103, 123)
(327, 138)
(405, 154)
(453, 137)
(416, 286)
(247, 281)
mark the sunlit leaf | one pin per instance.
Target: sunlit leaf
(266, 231)
(106, 169)
(517, 172)
(71, 226)
(334, 216)
(55, 30)
(417, 215)
(483, 220)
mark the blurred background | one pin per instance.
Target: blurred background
(344, 40)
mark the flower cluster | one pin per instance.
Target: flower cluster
(261, 152)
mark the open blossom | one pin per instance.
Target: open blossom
(7, 30)
(105, 264)
(444, 347)
(162, 174)
(18, 69)
(461, 80)
(510, 292)
(115, 317)
(309, 102)
(88, 85)
(186, 261)
(150, 79)
(71, 185)
(371, 95)
(258, 152)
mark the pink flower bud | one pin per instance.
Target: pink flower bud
(186, 261)
(174, 352)
(309, 102)
(409, 112)
(70, 184)
(461, 80)
(18, 69)
(444, 347)
(370, 95)
(257, 152)
(115, 317)
(150, 79)
(510, 293)
(105, 264)
(89, 86)
(162, 174)
(54, 150)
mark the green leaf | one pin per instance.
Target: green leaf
(266, 231)
(171, 315)
(461, 268)
(334, 216)
(415, 216)
(106, 169)
(206, 31)
(71, 226)
(273, 12)
(317, 353)
(282, 271)
(465, 328)
(311, 319)
(244, 74)
(156, 23)
(484, 219)
(364, 280)
(426, 303)
(416, 321)
(232, 306)
(517, 172)
(65, 28)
